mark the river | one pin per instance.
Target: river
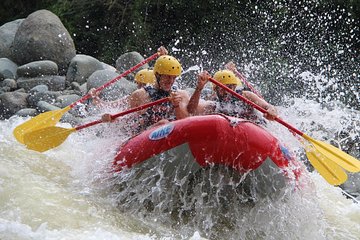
(68, 193)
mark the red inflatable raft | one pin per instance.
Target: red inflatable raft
(212, 140)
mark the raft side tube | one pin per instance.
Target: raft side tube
(212, 139)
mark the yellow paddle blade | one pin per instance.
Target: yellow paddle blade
(329, 170)
(341, 158)
(44, 139)
(43, 120)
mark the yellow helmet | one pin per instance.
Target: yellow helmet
(226, 77)
(167, 65)
(146, 76)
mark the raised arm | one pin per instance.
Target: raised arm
(193, 105)
(162, 51)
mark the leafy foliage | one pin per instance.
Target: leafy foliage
(275, 39)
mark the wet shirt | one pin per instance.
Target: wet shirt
(237, 108)
(156, 113)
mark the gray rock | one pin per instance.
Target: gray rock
(128, 60)
(55, 83)
(12, 102)
(43, 106)
(7, 34)
(108, 67)
(25, 112)
(66, 100)
(84, 88)
(80, 111)
(7, 69)
(101, 77)
(20, 90)
(5, 89)
(42, 36)
(38, 68)
(70, 92)
(352, 185)
(117, 90)
(81, 67)
(69, 118)
(48, 96)
(76, 86)
(10, 83)
(39, 88)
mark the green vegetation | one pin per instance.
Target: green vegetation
(279, 38)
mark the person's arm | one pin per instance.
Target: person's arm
(194, 101)
(193, 105)
(137, 98)
(271, 112)
(162, 51)
(180, 100)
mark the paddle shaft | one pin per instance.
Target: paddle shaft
(87, 96)
(141, 107)
(255, 106)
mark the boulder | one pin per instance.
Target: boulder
(84, 88)
(7, 35)
(7, 69)
(42, 36)
(76, 86)
(352, 185)
(108, 67)
(37, 68)
(71, 119)
(26, 112)
(39, 88)
(43, 106)
(47, 96)
(81, 67)
(55, 83)
(9, 83)
(20, 90)
(12, 102)
(128, 60)
(65, 100)
(117, 90)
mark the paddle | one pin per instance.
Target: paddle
(50, 118)
(46, 138)
(326, 151)
(328, 169)
(334, 174)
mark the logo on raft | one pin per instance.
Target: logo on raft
(286, 152)
(161, 132)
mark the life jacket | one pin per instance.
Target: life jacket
(237, 108)
(161, 111)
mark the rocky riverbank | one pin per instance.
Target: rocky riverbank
(40, 70)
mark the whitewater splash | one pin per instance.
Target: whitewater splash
(69, 192)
